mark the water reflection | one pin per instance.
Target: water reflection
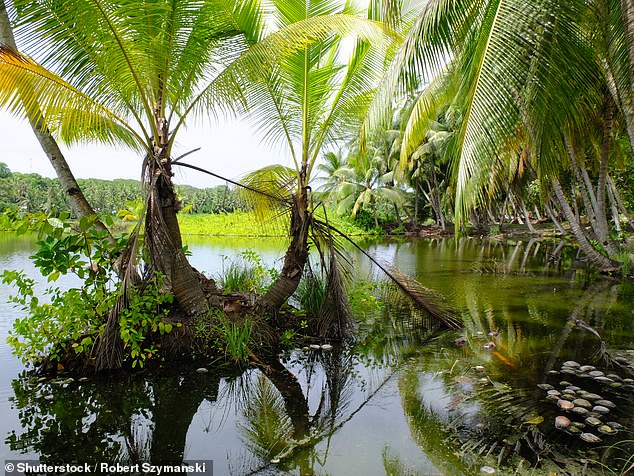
(402, 400)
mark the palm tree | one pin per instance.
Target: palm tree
(73, 192)
(133, 73)
(317, 97)
(517, 63)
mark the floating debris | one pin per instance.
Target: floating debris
(592, 421)
(596, 373)
(567, 391)
(569, 371)
(315, 346)
(565, 405)
(553, 392)
(460, 341)
(326, 347)
(606, 430)
(590, 438)
(562, 422)
(545, 386)
(571, 363)
(573, 430)
(603, 379)
(587, 368)
(480, 368)
(593, 396)
(487, 470)
(582, 402)
(570, 398)
(493, 334)
(605, 403)
(601, 409)
(580, 411)
(202, 370)
(490, 345)
(565, 383)
(614, 425)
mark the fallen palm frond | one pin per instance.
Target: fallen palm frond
(422, 296)
(323, 232)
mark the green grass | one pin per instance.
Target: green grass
(246, 224)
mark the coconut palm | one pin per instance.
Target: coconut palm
(132, 73)
(317, 97)
(523, 69)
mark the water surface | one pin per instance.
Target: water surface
(403, 400)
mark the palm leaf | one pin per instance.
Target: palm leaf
(29, 90)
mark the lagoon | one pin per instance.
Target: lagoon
(403, 399)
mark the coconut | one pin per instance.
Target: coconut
(606, 430)
(590, 438)
(593, 396)
(565, 405)
(562, 422)
(605, 403)
(580, 411)
(570, 363)
(582, 402)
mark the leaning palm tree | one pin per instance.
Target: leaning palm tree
(518, 65)
(132, 73)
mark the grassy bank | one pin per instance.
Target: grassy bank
(245, 224)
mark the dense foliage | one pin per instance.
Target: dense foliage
(31, 192)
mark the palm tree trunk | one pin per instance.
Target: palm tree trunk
(71, 188)
(601, 261)
(162, 234)
(294, 260)
(619, 201)
(602, 230)
(627, 12)
(553, 218)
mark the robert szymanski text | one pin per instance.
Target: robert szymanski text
(34, 467)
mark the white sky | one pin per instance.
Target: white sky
(230, 148)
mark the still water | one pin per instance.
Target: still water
(404, 399)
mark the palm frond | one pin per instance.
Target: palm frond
(29, 90)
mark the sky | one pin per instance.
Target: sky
(229, 147)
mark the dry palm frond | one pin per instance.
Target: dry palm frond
(422, 296)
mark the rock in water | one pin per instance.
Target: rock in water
(592, 421)
(590, 438)
(601, 409)
(202, 370)
(587, 368)
(562, 422)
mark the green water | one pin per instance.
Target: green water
(404, 399)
